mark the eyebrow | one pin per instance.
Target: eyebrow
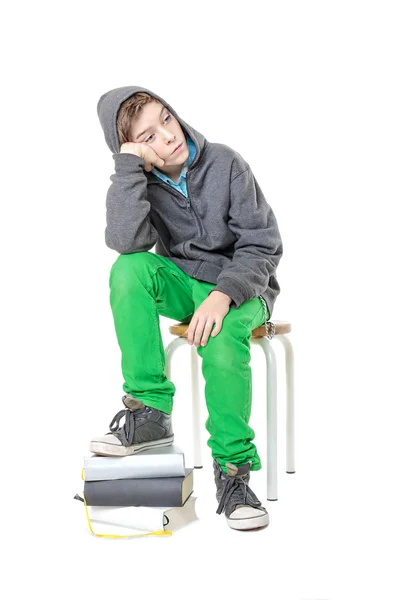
(147, 129)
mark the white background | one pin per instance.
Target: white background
(308, 93)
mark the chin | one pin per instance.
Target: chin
(184, 155)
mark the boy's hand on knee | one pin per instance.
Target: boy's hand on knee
(213, 310)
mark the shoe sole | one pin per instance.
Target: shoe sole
(103, 449)
(250, 523)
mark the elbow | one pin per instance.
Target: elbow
(130, 248)
(113, 244)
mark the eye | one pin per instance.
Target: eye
(147, 139)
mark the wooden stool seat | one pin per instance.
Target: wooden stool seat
(281, 327)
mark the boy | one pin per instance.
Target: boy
(217, 249)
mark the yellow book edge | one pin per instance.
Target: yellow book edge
(109, 535)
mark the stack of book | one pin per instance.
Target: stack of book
(151, 491)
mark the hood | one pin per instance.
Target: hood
(109, 105)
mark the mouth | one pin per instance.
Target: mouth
(177, 148)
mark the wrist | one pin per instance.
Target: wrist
(222, 295)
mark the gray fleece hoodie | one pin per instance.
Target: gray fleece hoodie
(224, 232)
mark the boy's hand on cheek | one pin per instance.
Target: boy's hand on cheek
(213, 310)
(143, 150)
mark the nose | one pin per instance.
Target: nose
(169, 137)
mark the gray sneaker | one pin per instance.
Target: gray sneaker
(242, 508)
(145, 427)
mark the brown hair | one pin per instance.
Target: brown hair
(128, 111)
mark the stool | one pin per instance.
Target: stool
(260, 338)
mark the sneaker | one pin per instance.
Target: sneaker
(145, 427)
(242, 508)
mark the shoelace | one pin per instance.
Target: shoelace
(236, 491)
(127, 432)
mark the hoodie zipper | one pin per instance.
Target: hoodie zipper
(189, 204)
(175, 192)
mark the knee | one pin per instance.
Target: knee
(223, 352)
(126, 271)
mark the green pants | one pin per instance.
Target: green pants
(144, 285)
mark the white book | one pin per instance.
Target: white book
(164, 461)
(143, 518)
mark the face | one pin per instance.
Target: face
(163, 134)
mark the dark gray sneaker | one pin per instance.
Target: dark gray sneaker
(145, 427)
(242, 508)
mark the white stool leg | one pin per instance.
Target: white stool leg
(272, 418)
(289, 359)
(197, 460)
(169, 351)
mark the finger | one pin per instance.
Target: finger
(207, 330)
(191, 329)
(156, 159)
(217, 328)
(199, 331)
